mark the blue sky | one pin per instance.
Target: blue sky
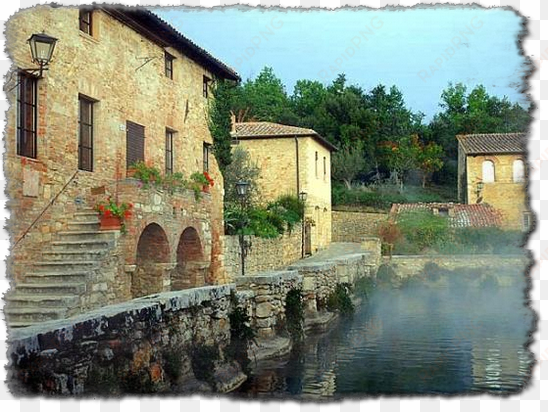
(420, 51)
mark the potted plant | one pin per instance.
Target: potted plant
(113, 214)
(202, 180)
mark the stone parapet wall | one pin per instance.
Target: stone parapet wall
(266, 298)
(406, 266)
(139, 339)
(265, 254)
(354, 226)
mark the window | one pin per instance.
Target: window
(169, 65)
(85, 134)
(324, 167)
(86, 21)
(316, 165)
(27, 115)
(527, 221)
(205, 86)
(135, 143)
(519, 171)
(206, 157)
(169, 151)
(488, 171)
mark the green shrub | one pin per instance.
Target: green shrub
(339, 300)
(364, 286)
(146, 174)
(423, 229)
(294, 314)
(242, 335)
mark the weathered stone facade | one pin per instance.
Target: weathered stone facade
(291, 164)
(120, 71)
(492, 170)
(264, 255)
(106, 349)
(350, 226)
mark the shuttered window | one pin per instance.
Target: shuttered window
(85, 139)
(135, 143)
(206, 156)
(85, 21)
(169, 151)
(27, 115)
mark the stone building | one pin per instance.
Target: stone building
(293, 160)
(491, 170)
(122, 86)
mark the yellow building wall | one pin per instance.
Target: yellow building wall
(276, 158)
(504, 194)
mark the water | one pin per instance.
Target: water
(411, 341)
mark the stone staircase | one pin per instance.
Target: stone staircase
(53, 285)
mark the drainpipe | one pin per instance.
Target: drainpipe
(297, 164)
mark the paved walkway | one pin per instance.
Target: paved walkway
(337, 249)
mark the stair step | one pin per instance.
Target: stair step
(19, 325)
(63, 266)
(81, 244)
(33, 314)
(56, 277)
(51, 288)
(73, 255)
(44, 301)
(85, 215)
(84, 225)
(86, 235)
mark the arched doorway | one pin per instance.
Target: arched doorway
(191, 268)
(152, 255)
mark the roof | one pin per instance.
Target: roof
(492, 143)
(151, 26)
(259, 130)
(460, 215)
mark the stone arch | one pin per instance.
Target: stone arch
(191, 268)
(152, 259)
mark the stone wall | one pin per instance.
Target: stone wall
(107, 69)
(354, 226)
(503, 194)
(265, 254)
(266, 298)
(132, 346)
(406, 266)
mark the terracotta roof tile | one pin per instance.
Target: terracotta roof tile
(492, 143)
(271, 130)
(460, 215)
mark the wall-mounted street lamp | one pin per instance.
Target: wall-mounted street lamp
(302, 198)
(479, 191)
(41, 50)
(241, 190)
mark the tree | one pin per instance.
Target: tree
(348, 162)
(220, 122)
(241, 168)
(429, 160)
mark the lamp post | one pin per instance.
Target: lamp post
(302, 198)
(41, 50)
(241, 190)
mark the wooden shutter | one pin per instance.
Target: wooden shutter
(135, 143)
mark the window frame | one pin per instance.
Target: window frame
(24, 114)
(518, 178)
(82, 99)
(170, 134)
(205, 153)
(205, 86)
(85, 25)
(168, 64)
(483, 174)
(316, 164)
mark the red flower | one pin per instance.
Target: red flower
(108, 213)
(127, 214)
(102, 208)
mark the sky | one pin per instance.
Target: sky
(418, 50)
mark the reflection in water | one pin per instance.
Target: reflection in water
(420, 340)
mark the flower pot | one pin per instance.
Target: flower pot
(131, 171)
(110, 223)
(205, 188)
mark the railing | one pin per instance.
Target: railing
(51, 202)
